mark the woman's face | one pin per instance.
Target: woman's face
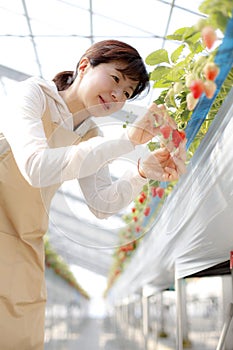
(103, 90)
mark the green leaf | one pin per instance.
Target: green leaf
(189, 33)
(182, 34)
(159, 73)
(152, 146)
(176, 73)
(194, 38)
(195, 47)
(170, 100)
(185, 115)
(177, 37)
(162, 84)
(176, 54)
(160, 99)
(157, 57)
(182, 31)
(220, 21)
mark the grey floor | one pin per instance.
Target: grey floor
(91, 334)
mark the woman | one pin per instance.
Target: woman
(49, 138)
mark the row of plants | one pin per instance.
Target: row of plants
(183, 76)
(54, 261)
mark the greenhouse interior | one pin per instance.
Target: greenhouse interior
(157, 274)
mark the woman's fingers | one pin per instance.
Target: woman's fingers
(179, 157)
(180, 152)
(144, 129)
(170, 174)
(180, 165)
(171, 162)
(161, 154)
(161, 115)
(148, 126)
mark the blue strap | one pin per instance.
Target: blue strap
(224, 60)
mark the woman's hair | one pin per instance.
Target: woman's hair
(107, 51)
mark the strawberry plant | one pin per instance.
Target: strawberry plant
(182, 77)
(59, 266)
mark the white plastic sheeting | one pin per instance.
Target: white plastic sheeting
(194, 229)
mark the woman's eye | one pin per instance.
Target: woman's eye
(116, 78)
(127, 95)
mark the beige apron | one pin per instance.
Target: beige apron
(23, 222)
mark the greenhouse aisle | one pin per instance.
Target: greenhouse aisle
(92, 334)
(100, 334)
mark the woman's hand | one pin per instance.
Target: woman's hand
(160, 165)
(148, 126)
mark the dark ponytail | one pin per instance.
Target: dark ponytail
(64, 79)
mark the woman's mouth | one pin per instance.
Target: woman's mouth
(105, 104)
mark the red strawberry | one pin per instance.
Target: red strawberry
(126, 248)
(147, 211)
(133, 210)
(208, 36)
(176, 138)
(138, 229)
(129, 247)
(182, 134)
(210, 71)
(197, 88)
(143, 195)
(160, 191)
(210, 88)
(135, 218)
(153, 191)
(141, 199)
(165, 131)
(117, 272)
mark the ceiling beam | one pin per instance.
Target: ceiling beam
(12, 73)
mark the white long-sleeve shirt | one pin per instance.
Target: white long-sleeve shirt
(42, 166)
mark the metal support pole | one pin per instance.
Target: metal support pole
(179, 323)
(226, 326)
(161, 332)
(145, 320)
(229, 315)
(127, 319)
(116, 318)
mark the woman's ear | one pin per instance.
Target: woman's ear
(84, 64)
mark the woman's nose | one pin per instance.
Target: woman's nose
(117, 95)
